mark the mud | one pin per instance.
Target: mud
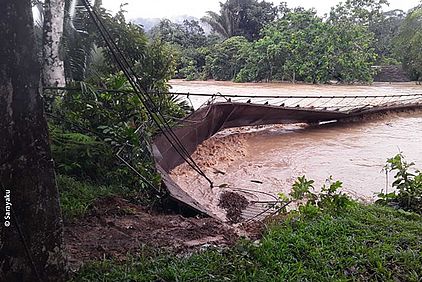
(115, 228)
(214, 156)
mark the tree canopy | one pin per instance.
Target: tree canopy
(298, 46)
(259, 41)
(241, 18)
(409, 42)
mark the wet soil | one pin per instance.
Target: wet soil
(115, 228)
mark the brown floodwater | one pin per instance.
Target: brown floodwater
(269, 158)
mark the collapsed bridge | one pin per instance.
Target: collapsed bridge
(228, 111)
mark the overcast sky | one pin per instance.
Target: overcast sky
(197, 8)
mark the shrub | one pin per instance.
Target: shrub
(311, 203)
(408, 185)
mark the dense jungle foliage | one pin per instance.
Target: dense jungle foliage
(100, 118)
(255, 40)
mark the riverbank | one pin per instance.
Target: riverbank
(110, 222)
(114, 239)
(363, 243)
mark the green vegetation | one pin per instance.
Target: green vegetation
(301, 46)
(242, 18)
(228, 58)
(89, 126)
(386, 30)
(407, 185)
(409, 41)
(310, 203)
(189, 44)
(256, 41)
(361, 243)
(76, 196)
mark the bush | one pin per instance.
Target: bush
(408, 185)
(310, 203)
(80, 155)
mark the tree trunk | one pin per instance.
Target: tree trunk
(53, 66)
(31, 226)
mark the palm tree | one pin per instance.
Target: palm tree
(224, 24)
(78, 41)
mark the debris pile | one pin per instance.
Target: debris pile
(234, 204)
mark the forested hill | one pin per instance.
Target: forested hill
(149, 23)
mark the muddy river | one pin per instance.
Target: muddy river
(270, 158)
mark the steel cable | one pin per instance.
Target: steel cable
(142, 94)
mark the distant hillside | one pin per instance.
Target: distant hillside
(149, 23)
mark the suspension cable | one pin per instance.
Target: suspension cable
(152, 109)
(187, 94)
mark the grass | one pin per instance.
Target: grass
(76, 196)
(364, 243)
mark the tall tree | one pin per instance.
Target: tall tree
(409, 43)
(53, 66)
(196, 34)
(386, 29)
(252, 16)
(363, 12)
(228, 58)
(225, 24)
(31, 232)
(241, 17)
